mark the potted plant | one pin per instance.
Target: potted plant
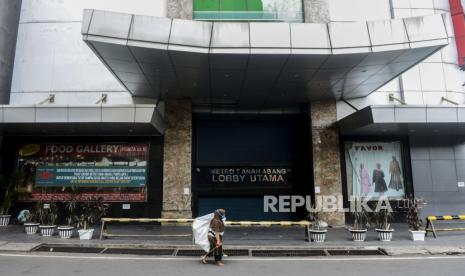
(47, 214)
(318, 228)
(359, 226)
(66, 231)
(383, 226)
(28, 219)
(8, 188)
(90, 212)
(414, 221)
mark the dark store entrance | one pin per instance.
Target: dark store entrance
(237, 159)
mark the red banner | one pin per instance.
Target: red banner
(458, 20)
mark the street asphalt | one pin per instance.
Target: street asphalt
(12, 264)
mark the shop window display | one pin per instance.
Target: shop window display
(374, 169)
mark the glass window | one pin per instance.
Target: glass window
(207, 5)
(374, 169)
(249, 10)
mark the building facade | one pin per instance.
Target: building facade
(172, 108)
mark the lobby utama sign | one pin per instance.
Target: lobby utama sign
(262, 175)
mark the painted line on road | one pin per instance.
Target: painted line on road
(386, 258)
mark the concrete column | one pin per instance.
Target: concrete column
(177, 160)
(180, 9)
(326, 155)
(316, 11)
(9, 22)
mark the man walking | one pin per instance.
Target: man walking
(215, 237)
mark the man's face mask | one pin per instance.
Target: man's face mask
(222, 216)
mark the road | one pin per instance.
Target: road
(61, 264)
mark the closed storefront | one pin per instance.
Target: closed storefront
(120, 170)
(238, 159)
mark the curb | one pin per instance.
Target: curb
(389, 251)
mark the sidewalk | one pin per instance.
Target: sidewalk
(12, 238)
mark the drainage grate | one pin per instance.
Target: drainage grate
(287, 253)
(69, 249)
(358, 252)
(139, 251)
(199, 253)
(190, 252)
(236, 252)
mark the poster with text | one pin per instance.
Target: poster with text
(375, 169)
(113, 171)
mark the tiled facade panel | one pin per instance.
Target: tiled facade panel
(435, 78)
(51, 57)
(359, 10)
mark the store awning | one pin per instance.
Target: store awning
(258, 64)
(80, 120)
(405, 120)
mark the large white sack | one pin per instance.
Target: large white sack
(200, 228)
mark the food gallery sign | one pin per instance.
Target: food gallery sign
(86, 149)
(262, 175)
(86, 164)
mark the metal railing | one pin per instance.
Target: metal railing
(249, 16)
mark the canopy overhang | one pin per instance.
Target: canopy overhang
(80, 120)
(257, 64)
(404, 120)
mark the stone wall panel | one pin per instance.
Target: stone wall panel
(177, 160)
(326, 154)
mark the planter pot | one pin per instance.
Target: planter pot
(317, 235)
(385, 235)
(4, 220)
(418, 235)
(31, 228)
(65, 232)
(47, 230)
(358, 235)
(85, 234)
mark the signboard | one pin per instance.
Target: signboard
(47, 176)
(375, 169)
(245, 175)
(114, 171)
